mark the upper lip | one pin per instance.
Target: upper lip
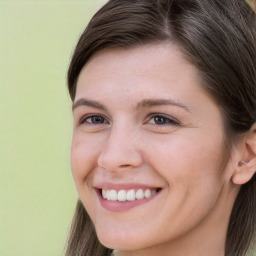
(125, 186)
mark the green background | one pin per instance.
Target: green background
(37, 192)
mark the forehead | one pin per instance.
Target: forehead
(152, 63)
(151, 53)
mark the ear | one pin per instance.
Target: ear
(245, 167)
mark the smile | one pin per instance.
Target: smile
(127, 195)
(123, 197)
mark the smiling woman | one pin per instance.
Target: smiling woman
(163, 153)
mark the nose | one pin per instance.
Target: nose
(120, 151)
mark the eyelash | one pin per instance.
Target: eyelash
(166, 120)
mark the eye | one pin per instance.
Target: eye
(158, 119)
(93, 119)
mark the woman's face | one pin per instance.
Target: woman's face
(148, 149)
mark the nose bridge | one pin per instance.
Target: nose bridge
(120, 150)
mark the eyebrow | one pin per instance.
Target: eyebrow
(87, 102)
(158, 102)
(143, 104)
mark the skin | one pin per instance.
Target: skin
(184, 154)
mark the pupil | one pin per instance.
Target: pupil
(159, 120)
(97, 119)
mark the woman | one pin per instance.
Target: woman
(164, 141)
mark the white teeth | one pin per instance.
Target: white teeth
(130, 195)
(147, 193)
(104, 193)
(112, 195)
(108, 197)
(121, 196)
(139, 194)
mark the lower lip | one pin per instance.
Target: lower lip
(117, 206)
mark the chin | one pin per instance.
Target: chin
(121, 242)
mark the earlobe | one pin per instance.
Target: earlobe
(246, 167)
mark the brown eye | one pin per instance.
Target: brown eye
(97, 119)
(162, 120)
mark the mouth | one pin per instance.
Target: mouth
(125, 199)
(128, 195)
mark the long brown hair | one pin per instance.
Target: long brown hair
(219, 38)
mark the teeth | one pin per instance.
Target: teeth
(139, 194)
(104, 193)
(130, 195)
(121, 196)
(147, 193)
(112, 195)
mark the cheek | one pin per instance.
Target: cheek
(191, 166)
(83, 161)
(192, 171)
(83, 158)
(187, 152)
